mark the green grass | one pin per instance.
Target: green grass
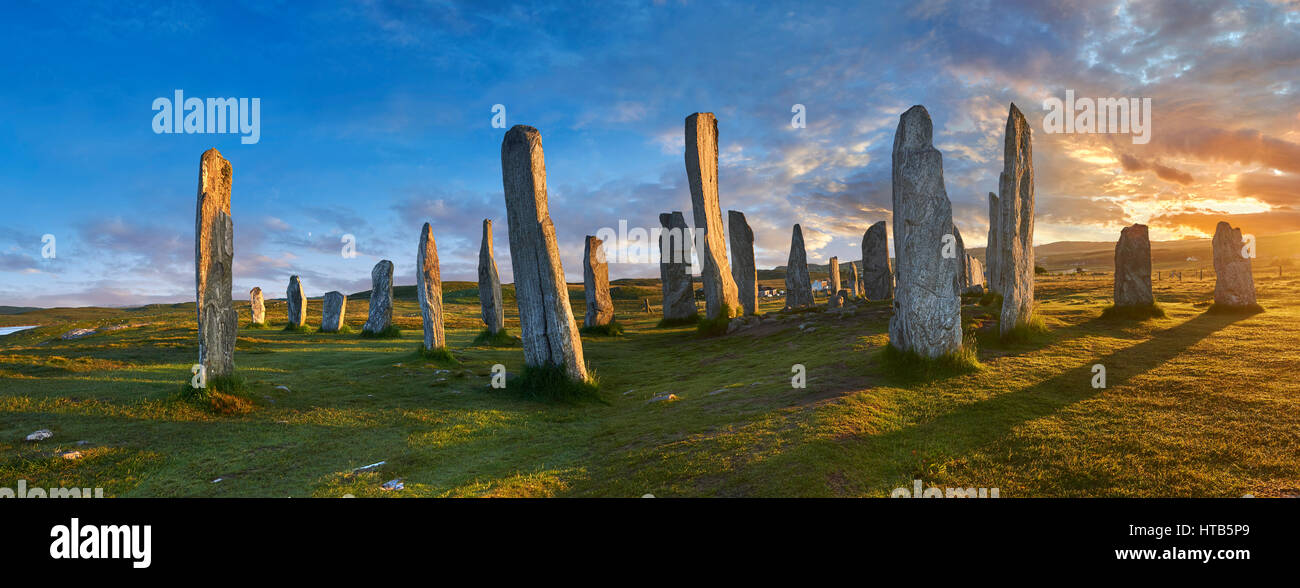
(551, 383)
(389, 332)
(1031, 330)
(1196, 404)
(252, 325)
(292, 328)
(610, 329)
(678, 322)
(714, 327)
(1229, 309)
(1133, 313)
(911, 366)
(441, 354)
(501, 338)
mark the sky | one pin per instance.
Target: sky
(376, 117)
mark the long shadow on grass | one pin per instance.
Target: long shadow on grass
(971, 426)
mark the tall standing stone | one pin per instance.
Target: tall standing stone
(991, 250)
(257, 306)
(297, 302)
(973, 274)
(1133, 267)
(856, 290)
(381, 298)
(549, 333)
(834, 269)
(743, 269)
(1016, 224)
(798, 285)
(333, 308)
(1234, 284)
(877, 278)
(927, 307)
(702, 174)
(214, 251)
(489, 283)
(595, 284)
(428, 288)
(675, 247)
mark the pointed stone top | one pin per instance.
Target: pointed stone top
(1017, 126)
(993, 197)
(210, 153)
(521, 134)
(1014, 112)
(915, 130)
(214, 181)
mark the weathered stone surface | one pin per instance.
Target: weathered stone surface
(297, 302)
(595, 284)
(381, 298)
(973, 276)
(489, 283)
(1234, 284)
(702, 175)
(214, 251)
(856, 289)
(549, 333)
(877, 278)
(1016, 224)
(1133, 267)
(743, 270)
(428, 288)
(927, 308)
(833, 268)
(333, 309)
(991, 250)
(257, 306)
(798, 286)
(675, 247)
(961, 259)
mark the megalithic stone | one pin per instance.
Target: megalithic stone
(1234, 284)
(974, 273)
(214, 252)
(297, 302)
(963, 270)
(702, 174)
(675, 246)
(927, 308)
(1133, 267)
(381, 298)
(489, 283)
(834, 270)
(877, 278)
(595, 284)
(333, 309)
(428, 288)
(743, 269)
(856, 290)
(549, 333)
(1016, 223)
(257, 305)
(991, 249)
(798, 285)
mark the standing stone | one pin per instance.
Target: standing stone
(962, 269)
(877, 279)
(595, 283)
(856, 290)
(675, 246)
(1234, 284)
(702, 173)
(428, 288)
(333, 308)
(1133, 267)
(257, 305)
(381, 298)
(798, 286)
(973, 275)
(1016, 224)
(214, 251)
(927, 308)
(991, 250)
(834, 268)
(645, 305)
(297, 302)
(549, 333)
(743, 269)
(489, 283)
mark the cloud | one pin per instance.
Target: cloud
(1163, 172)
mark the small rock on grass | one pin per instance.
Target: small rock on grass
(40, 435)
(393, 485)
(663, 398)
(71, 455)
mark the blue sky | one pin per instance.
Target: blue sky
(376, 117)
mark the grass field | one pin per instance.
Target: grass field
(1196, 404)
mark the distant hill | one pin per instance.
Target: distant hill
(16, 309)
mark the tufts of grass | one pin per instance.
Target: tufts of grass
(501, 338)
(1133, 313)
(261, 325)
(1031, 330)
(342, 330)
(1230, 309)
(913, 367)
(220, 395)
(991, 299)
(551, 383)
(678, 322)
(441, 354)
(292, 328)
(389, 332)
(610, 329)
(713, 327)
